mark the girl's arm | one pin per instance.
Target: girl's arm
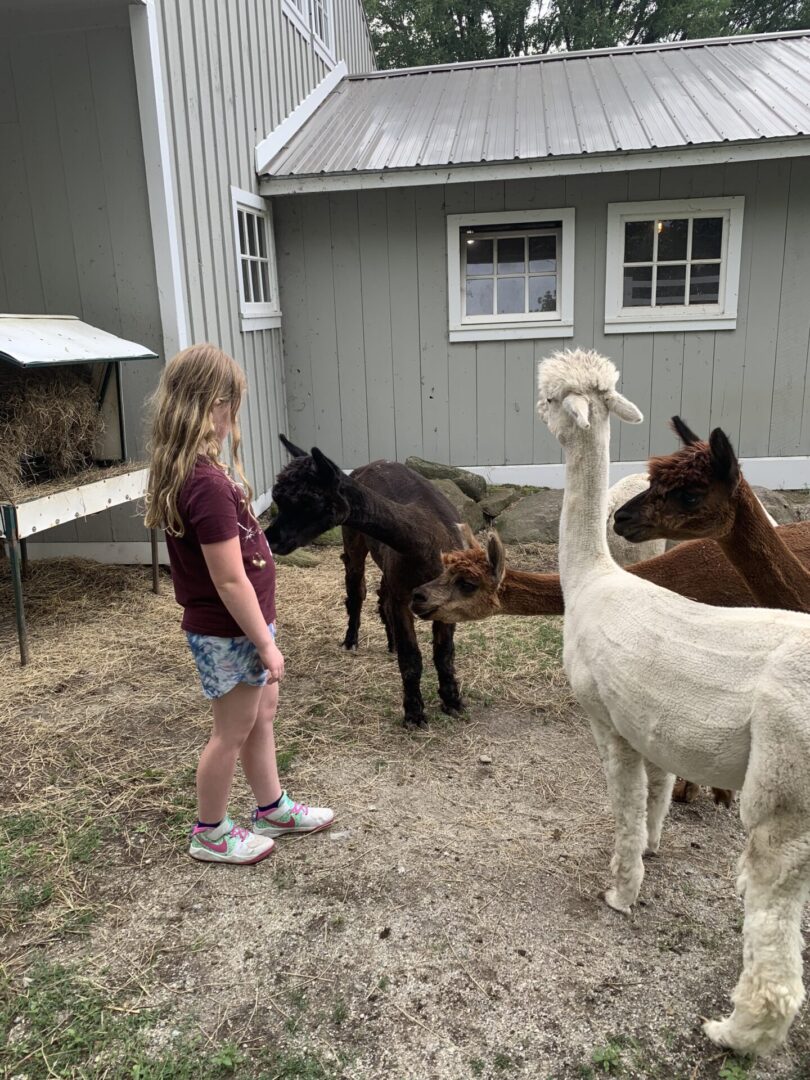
(224, 562)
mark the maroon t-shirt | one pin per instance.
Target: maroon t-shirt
(213, 508)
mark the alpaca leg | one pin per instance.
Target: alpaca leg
(354, 554)
(444, 652)
(409, 659)
(627, 787)
(383, 613)
(775, 876)
(659, 792)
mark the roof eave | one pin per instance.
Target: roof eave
(622, 161)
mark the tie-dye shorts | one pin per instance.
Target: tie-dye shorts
(224, 662)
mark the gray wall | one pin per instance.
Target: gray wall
(370, 372)
(233, 71)
(75, 237)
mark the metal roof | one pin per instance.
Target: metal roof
(655, 97)
(40, 340)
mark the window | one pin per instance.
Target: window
(313, 19)
(256, 262)
(673, 266)
(511, 275)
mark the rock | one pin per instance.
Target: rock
(466, 508)
(471, 484)
(533, 519)
(497, 499)
(303, 559)
(802, 511)
(777, 505)
(485, 759)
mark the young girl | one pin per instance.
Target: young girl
(224, 579)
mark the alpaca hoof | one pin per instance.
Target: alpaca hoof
(415, 722)
(717, 1031)
(456, 710)
(611, 898)
(651, 851)
(349, 646)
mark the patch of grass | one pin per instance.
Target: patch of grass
(477, 1067)
(608, 1058)
(734, 1070)
(285, 758)
(502, 1062)
(340, 1011)
(306, 1066)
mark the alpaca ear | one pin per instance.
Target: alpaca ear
(684, 433)
(291, 448)
(327, 470)
(577, 407)
(496, 557)
(623, 408)
(724, 460)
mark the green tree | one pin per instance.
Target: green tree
(413, 32)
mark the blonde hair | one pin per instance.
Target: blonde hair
(182, 428)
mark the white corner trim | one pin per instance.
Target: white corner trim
(159, 178)
(788, 473)
(724, 154)
(259, 322)
(280, 136)
(261, 502)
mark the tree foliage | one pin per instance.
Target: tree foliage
(408, 33)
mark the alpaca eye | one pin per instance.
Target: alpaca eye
(688, 499)
(467, 587)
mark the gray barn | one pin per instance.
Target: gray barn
(440, 229)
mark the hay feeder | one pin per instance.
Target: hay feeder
(85, 460)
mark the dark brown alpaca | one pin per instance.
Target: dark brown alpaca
(404, 523)
(699, 491)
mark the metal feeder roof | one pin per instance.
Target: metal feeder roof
(30, 341)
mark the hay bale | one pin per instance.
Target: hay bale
(49, 426)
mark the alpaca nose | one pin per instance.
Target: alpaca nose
(418, 596)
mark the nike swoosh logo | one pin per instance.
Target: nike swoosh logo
(220, 848)
(283, 824)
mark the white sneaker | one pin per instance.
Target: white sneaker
(291, 818)
(227, 843)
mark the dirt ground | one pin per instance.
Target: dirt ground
(448, 926)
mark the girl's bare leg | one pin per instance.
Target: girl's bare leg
(258, 754)
(235, 716)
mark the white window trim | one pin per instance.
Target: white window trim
(500, 327)
(256, 316)
(302, 23)
(720, 316)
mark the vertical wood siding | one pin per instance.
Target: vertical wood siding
(233, 72)
(413, 393)
(74, 216)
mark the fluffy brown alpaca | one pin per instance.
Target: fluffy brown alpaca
(699, 491)
(476, 584)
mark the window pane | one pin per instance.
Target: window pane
(707, 238)
(638, 241)
(241, 218)
(479, 257)
(479, 296)
(704, 283)
(542, 253)
(261, 227)
(543, 292)
(637, 286)
(251, 233)
(265, 282)
(512, 257)
(672, 236)
(510, 295)
(671, 287)
(246, 281)
(254, 277)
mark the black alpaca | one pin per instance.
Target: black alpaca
(398, 517)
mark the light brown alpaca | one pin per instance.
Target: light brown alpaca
(476, 584)
(699, 491)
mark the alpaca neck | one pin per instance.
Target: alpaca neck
(383, 519)
(522, 593)
(583, 539)
(773, 573)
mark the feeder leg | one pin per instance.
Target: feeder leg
(26, 569)
(15, 563)
(153, 537)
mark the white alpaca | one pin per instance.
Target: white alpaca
(721, 695)
(622, 550)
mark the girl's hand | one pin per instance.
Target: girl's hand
(273, 661)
